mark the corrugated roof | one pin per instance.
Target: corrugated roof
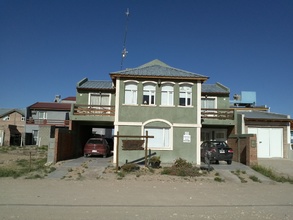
(263, 115)
(6, 111)
(70, 98)
(95, 84)
(159, 69)
(51, 106)
(214, 88)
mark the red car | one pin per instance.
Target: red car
(96, 146)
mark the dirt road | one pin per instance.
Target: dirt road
(142, 199)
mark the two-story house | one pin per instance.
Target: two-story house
(12, 123)
(43, 117)
(154, 97)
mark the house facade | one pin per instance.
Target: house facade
(175, 106)
(164, 101)
(12, 123)
(42, 118)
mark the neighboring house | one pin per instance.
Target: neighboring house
(217, 118)
(43, 117)
(12, 123)
(272, 130)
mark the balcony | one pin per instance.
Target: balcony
(217, 114)
(93, 110)
(55, 122)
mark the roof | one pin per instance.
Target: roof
(70, 98)
(7, 111)
(158, 69)
(215, 88)
(95, 84)
(260, 115)
(51, 106)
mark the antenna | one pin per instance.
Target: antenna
(124, 51)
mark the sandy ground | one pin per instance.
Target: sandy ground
(84, 193)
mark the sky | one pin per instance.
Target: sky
(48, 46)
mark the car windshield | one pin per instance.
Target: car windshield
(220, 144)
(95, 141)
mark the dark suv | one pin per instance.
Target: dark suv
(215, 151)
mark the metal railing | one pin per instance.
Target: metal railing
(48, 122)
(220, 114)
(99, 110)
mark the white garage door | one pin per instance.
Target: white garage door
(269, 141)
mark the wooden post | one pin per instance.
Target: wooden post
(146, 149)
(117, 151)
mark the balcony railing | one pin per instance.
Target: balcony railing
(97, 110)
(55, 122)
(220, 114)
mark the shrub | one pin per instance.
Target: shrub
(129, 167)
(181, 168)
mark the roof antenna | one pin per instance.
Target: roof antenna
(124, 51)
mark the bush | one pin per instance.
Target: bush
(181, 168)
(129, 167)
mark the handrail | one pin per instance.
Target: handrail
(48, 122)
(101, 110)
(221, 114)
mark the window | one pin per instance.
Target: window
(161, 138)
(99, 99)
(149, 91)
(130, 94)
(208, 102)
(35, 137)
(185, 95)
(6, 118)
(42, 115)
(167, 95)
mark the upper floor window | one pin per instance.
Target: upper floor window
(167, 95)
(99, 99)
(6, 118)
(130, 94)
(185, 95)
(208, 102)
(149, 91)
(42, 115)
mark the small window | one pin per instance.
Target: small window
(167, 95)
(149, 92)
(185, 95)
(208, 102)
(42, 115)
(6, 118)
(130, 94)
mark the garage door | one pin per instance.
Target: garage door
(269, 142)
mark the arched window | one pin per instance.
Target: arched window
(185, 95)
(149, 91)
(130, 93)
(167, 95)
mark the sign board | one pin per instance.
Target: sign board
(186, 137)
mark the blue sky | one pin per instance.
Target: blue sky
(47, 46)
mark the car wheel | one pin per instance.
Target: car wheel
(229, 162)
(85, 155)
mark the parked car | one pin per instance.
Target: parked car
(96, 146)
(215, 151)
(111, 143)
